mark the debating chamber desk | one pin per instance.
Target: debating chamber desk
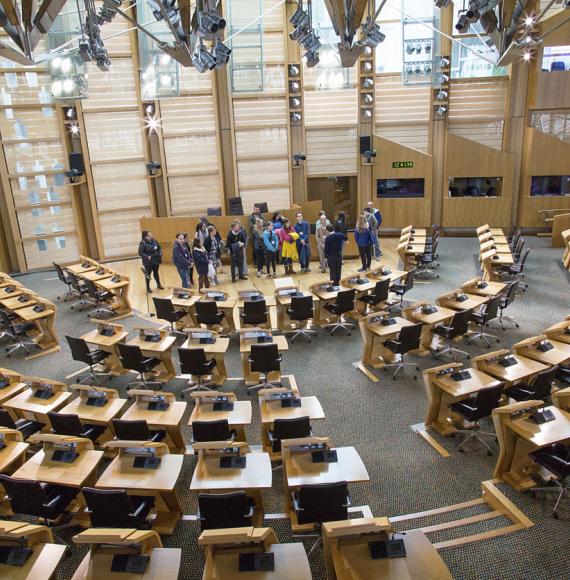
(213, 345)
(483, 288)
(523, 368)
(544, 350)
(249, 337)
(376, 328)
(13, 451)
(105, 336)
(161, 349)
(420, 312)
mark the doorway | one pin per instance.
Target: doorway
(337, 193)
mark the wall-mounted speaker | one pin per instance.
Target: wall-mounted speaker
(365, 144)
(76, 162)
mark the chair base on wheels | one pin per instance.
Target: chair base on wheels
(558, 488)
(304, 332)
(144, 383)
(101, 312)
(400, 366)
(21, 344)
(92, 376)
(264, 384)
(448, 349)
(82, 304)
(482, 337)
(509, 319)
(67, 295)
(340, 323)
(199, 385)
(476, 434)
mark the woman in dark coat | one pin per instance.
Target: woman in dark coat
(151, 256)
(201, 262)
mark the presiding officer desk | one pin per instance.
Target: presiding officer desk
(44, 558)
(348, 554)
(223, 548)
(120, 547)
(214, 346)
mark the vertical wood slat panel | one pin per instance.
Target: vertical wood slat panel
(332, 151)
(331, 107)
(113, 135)
(193, 195)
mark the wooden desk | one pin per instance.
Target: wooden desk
(158, 482)
(284, 322)
(112, 364)
(558, 354)
(27, 406)
(501, 260)
(162, 350)
(322, 316)
(377, 274)
(499, 248)
(559, 332)
(15, 302)
(491, 289)
(9, 290)
(41, 564)
(12, 456)
(11, 390)
(96, 275)
(217, 350)
(429, 321)
(237, 418)
(82, 267)
(442, 391)
(47, 338)
(120, 288)
(227, 307)
(524, 370)
(375, 334)
(186, 304)
(450, 301)
(251, 378)
(518, 436)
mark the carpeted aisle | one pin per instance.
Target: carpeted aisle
(406, 475)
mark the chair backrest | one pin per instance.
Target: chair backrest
(110, 508)
(324, 502)
(523, 259)
(131, 430)
(131, 356)
(60, 273)
(254, 311)
(492, 308)
(91, 288)
(6, 420)
(223, 510)
(164, 308)
(511, 292)
(381, 290)
(65, 424)
(79, 349)
(265, 358)
(206, 431)
(409, 283)
(486, 400)
(207, 312)
(26, 496)
(291, 428)
(193, 361)
(460, 322)
(302, 307)
(519, 246)
(345, 300)
(410, 337)
(5, 319)
(542, 383)
(74, 281)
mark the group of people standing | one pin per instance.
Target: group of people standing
(274, 241)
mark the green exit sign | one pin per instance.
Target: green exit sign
(402, 164)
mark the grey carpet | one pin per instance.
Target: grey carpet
(406, 475)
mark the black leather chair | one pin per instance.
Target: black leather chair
(193, 361)
(517, 251)
(301, 310)
(102, 299)
(136, 431)
(254, 313)
(63, 276)
(425, 263)
(27, 427)
(225, 510)
(507, 298)
(81, 290)
(207, 313)
(295, 428)
(488, 313)
(325, 502)
(206, 431)
(81, 352)
(556, 459)
(476, 408)
(17, 330)
(69, 424)
(409, 339)
(264, 359)
(459, 326)
(344, 303)
(165, 311)
(133, 359)
(115, 508)
(539, 387)
(44, 501)
(380, 294)
(516, 270)
(6, 324)
(402, 289)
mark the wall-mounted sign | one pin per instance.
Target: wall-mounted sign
(402, 164)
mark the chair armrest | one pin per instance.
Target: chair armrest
(88, 432)
(271, 437)
(250, 359)
(296, 505)
(139, 510)
(250, 513)
(52, 502)
(447, 328)
(348, 502)
(279, 358)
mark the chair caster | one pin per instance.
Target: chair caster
(555, 515)
(498, 340)
(489, 453)
(393, 378)
(415, 378)
(533, 494)
(518, 325)
(468, 356)
(417, 368)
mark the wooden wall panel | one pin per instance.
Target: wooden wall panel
(112, 89)
(191, 153)
(62, 250)
(553, 90)
(193, 195)
(414, 136)
(34, 156)
(261, 112)
(120, 232)
(396, 103)
(29, 124)
(276, 198)
(25, 88)
(488, 133)
(256, 142)
(263, 172)
(32, 190)
(189, 114)
(54, 219)
(120, 185)
(191, 81)
(327, 108)
(332, 151)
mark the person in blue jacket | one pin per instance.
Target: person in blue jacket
(303, 243)
(183, 261)
(365, 242)
(201, 262)
(271, 245)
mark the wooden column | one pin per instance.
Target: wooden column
(5, 263)
(366, 124)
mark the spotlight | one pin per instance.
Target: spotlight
(441, 110)
(374, 36)
(368, 83)
(294, 102)
(74, 129)
(66, 65)
(409, 70)
(85, 51)
(527, 56)
(203, 60)
(70, 113)
(427, 68)
(152, 167)
(68, 85)
(427, 48)
(443, 79)
(73, 174)
(409, 48)
(367, 113)
(221, 52)
(368, 98)
(310, 41)
(368, 66)
(297, 33)
(294, 87)
(312, 58)
(444, 62)
(442, 95)
(367, 50)
(300, 19)
(462, 24)
(207, 24)
(442, 3)
(297, 158)
(296, 117)
(529, 21)
(152, 124)
(370, 155)
(149, 109)
(418, 69)
(56, 89)
(293, 70)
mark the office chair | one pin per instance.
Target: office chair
(81, 291)
(133, 359)
(408, 339)
(70, 424)
(207, 313)
(102, 298)
(378, 295)
(27, 427)
(518, 249)
(6, 326)
(324, 502)
(81, 352)
(514, 231)
(264, 359)
(459, 326)
(207, 431)
(302, 311)
(165, 311)
(514, 237)
(344, 303)
(44, 501)
(516, 270)
(482, 318)
(136, 431)
(17, 330)
(295, 428)
(402, 289)
(254, 313)
(555, 459)
(476, 408)
(507, 298)
(225, 510)
(425, 263)
(193, 362)
(63, 276)
(539, 388)
(115, 508)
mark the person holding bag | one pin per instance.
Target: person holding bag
(212, 245)
(289, 252)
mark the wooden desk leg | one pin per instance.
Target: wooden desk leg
(249, 377)
(168, 371)
(240, 433)
(175, 435)
(47, 338)
(168, 511)
(517, 476)
(221, 374)
(228, 321)
(259, 514)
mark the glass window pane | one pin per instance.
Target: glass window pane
(467, 64)
(42, 245)
(556, 58)
(389, 53)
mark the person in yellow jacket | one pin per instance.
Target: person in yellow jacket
(288, 237)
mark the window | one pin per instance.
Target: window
(389, 54)
(556, 58)
(475, 186)
(42, 245)
(399, 188)
(550, 185)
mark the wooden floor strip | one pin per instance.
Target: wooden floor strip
(462, 522)
(478, 537)
(442, 510)
(421, 430)
(358, 365)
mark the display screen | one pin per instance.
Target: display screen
(550, 185)
(400, 188)
(475, 187)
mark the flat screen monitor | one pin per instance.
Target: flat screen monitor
(550, 185)
(400, 188)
